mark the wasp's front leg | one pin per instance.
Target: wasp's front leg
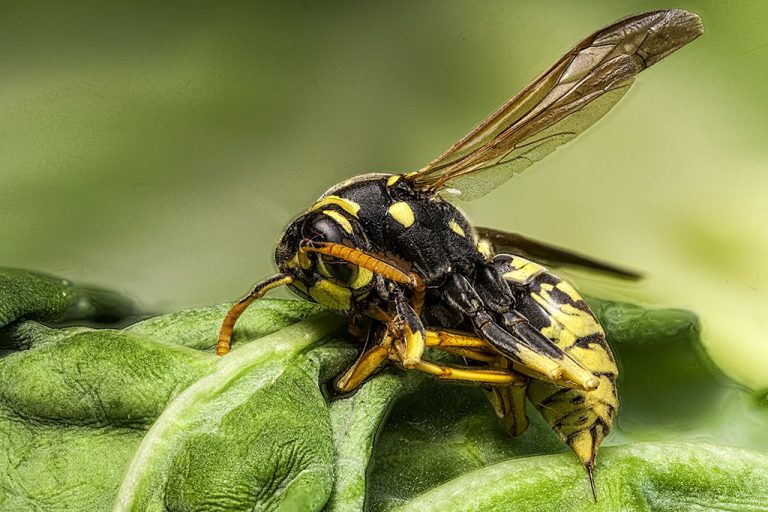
(407, 326)
(367, 364)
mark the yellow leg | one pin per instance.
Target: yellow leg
(364, 367)
(480, 375)
(565, 373)
(407, 326)
(440, 338)
(228, 325)
(475, 355)
(509, 404)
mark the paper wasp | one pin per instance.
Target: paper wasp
(392, 254)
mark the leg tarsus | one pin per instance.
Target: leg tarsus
(365, 366)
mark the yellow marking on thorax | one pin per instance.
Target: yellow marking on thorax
(331, 295)
(340, 220)
(348, 206)
(392, 180)
(456, 228)
(523, 270)
(402, 213)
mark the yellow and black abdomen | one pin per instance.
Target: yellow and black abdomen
(581, 418)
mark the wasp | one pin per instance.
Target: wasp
(395, 256)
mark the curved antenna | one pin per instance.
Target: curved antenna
(228, 325)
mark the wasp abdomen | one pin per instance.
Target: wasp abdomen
(581, 418)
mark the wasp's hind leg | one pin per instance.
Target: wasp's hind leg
(509, 404)
(523, 344)
(508, 401)
(491, 376)
(385, 350)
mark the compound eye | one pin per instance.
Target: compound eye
(325, 230)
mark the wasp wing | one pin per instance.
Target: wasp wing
(519, 245)
(563, 102)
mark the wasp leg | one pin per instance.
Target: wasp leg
(512, 406)
(469, 345)
(524, 344)
(355, 331)
(496, 294)
(507, 401)
(475, 355)
(228, 325)
(491, 376)
(509, 404)
(407, 325)
(365, 366)
(462, 344)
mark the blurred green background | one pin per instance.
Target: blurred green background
(160, 149)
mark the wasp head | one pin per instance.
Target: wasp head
(332, 282)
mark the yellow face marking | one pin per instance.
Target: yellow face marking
(392, 180)
(484, 248)
(331, 295)
(456, 228)
(301, 259)
(364, 277)
(323, 269)
(402, 213)
(348, 206)
(523, 270)
(340, 220)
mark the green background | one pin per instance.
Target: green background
(160, 149)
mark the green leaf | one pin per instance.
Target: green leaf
(146, 418)
(207, 449)
(658, 476)
(86, 413)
